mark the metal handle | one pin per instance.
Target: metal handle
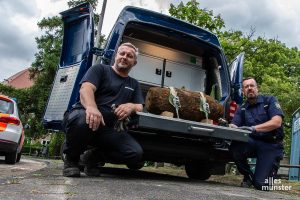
(158, 71)
(63, 78)
(168, 74)
(194, 128)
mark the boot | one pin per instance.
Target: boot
(71, 167)
(91, 159)
(246, 183)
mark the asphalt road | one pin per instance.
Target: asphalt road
(48, 183)
(23, 167)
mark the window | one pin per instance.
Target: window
(6, 107)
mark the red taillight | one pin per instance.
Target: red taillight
(232, 109)
(83, 9)
(9, 120)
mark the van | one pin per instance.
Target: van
(173, 53)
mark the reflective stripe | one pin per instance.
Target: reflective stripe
(204, 106)
(174, 100)
(232, 109)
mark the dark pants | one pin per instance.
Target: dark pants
(267, 156)
(118, 147)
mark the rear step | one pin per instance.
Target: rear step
(189, 128)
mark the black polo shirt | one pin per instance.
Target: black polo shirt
(112, 88)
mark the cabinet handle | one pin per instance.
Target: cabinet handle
(158, 71)
(168, 74)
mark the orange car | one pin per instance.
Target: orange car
(11, 130)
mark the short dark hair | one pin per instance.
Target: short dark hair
(248, 78)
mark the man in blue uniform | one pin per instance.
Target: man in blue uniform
(262, 116)
(92, 120)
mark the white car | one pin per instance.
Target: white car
(11, 130)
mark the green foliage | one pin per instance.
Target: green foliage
(44, 68)
(56, 142)
(20, 94)
(275, 66)
(191, 13)
(32, 101)
(31, 149)
(43, 71)
(74, 3)
(288, 95)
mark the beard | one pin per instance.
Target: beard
(252, 97)
(123, 68)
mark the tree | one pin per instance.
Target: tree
(199, 17)
(74, 3)
(43, 70)
(275, 66)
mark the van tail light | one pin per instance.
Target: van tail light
(9, 120)
(83, 9)
(232, 109)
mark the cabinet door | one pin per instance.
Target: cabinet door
(148, 69)
(183, 75)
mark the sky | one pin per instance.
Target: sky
(278, 19)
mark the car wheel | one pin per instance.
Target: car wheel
(11, 158)
(136, 166)
(197, 170)
(19, 157)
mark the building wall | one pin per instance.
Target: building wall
(20, 80)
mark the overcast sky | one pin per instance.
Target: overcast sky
(271, 18)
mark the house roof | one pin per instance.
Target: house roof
(19, 80)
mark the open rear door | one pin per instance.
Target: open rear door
(236, 76)
(76, 58)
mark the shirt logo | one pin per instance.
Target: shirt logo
(129, 88)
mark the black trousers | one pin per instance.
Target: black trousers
(117, 147)
(267, 157)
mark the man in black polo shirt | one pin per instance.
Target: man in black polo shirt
(92, 119)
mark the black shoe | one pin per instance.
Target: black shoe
(246, 183)
(71, 168)
(92, 170)
(90, 159)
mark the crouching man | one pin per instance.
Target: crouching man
(262, 116)
(92, 120)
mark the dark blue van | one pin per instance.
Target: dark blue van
(172, 53)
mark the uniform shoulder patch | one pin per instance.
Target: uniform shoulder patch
(277, 105)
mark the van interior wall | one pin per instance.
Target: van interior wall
(205, 68)
(185, 53)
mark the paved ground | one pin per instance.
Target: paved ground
(23, 167)
(48, 183)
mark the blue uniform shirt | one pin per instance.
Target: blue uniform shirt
(256, 114)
